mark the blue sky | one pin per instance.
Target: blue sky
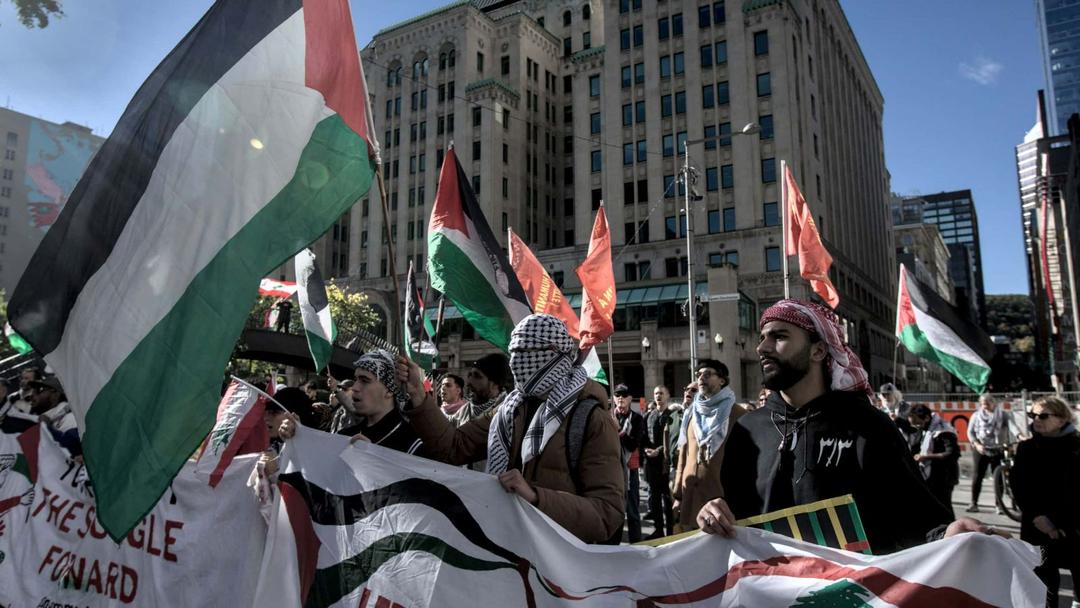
(959, 80)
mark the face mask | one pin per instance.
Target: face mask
(535, 372)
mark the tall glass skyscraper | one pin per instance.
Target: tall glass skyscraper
(1059, 32)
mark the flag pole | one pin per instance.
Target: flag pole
(783, 227)
(896, 352)
(395, 307)
(611, 368)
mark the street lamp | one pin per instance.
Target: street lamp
(645, 343)
(719, 341)
(751, 128)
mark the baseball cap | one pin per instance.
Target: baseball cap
(622, 390)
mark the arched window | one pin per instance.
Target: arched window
(586, 12)
(540, 21)
(442, 61)
(424, 67)
(397, 75)
(451, 58)
(416, 70)
(566, 18)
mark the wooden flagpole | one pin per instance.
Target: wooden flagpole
(783, 227)
(395, 308)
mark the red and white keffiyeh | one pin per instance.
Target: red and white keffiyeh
(845, 369)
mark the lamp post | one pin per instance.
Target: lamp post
(751, 128)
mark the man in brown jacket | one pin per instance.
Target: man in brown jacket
(706, 423)
(525, 438)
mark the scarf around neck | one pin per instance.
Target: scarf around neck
(710, 416)
(542, 356)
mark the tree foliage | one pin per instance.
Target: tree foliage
(36, 13)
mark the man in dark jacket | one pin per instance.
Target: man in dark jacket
(631, 436)
(819, 437)
(657, 462)
(939, 453)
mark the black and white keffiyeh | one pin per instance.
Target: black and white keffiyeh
(381, 364)
(542, 356)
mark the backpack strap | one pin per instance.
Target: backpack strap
(575, 438)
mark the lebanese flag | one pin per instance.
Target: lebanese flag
(467, 264)
(277, 289)
(937, 331)
(597, 285)
(239, 430)
(242, 147)
(802, 238)
(544, 295)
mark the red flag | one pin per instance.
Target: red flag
(598, 286)
(803, 239)
(544, 295)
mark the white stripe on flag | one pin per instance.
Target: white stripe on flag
(944, 339)
(209, 182)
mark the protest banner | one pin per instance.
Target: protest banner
(199, 546)
(360, 525)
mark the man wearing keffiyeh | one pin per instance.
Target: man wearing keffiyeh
(525, 437)
(819, 437)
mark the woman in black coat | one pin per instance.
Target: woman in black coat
(1045, 481)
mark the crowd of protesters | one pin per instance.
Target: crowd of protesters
(549, 433)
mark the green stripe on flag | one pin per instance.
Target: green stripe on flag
(16, 341)
(819, 537)
(974, 375)
(455, 274)
(321, 350)
(142, 427)
(331, 584)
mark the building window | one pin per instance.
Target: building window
(506, 153)
(768, 170)
(721, 52)
(772, 259)
(627, 115)
(594, 85)
(624, 40)
(680, 102)
(586, 40)
(567, 46)
(567, 17)
(668, 145)
(729, 219)
(505, 187)
(706, 56)
(764, 85)
(639, 111)
(669, 186)
(712, 179)
(663, 27)
(639, 73)
(642, 151)
(643, 192)
(761, 43)
(676, 25)
(476, 184)
(628, 154)
(476, 150)
(669, 228)
(766, 124)
(704, 16)
(710, 137)
(665, 106)
(505, 65)
(772, 214)
(596, 161)
(727, 176)
(723, 93)
(480, 63)
(665, 67)
(707, 99)
(639, 36)
(680, 63)
(12, 139)
(594, 123)
(714, 221)
(476, 112)
(626, 79)
(597, 198)
(568, 84)
(718, 13)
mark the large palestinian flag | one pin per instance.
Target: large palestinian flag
(935, 330)
(243, 146)
(365, 526)
(466, 262)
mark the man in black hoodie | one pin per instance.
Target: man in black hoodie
(819, 437)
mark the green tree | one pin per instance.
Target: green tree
(35, 13)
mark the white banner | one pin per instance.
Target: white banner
(365, 526)
(200, 546)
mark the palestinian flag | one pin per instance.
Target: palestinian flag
(466, 262)
(367, 526)
(314, 309)
(16, 341)
(243, 146)
(937, 331)
(418, 330)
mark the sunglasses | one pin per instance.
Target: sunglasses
(1042, 416)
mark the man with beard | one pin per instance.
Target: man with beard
(939, 453)
(487, 381)
(527, 438)
(820, 437)
(658, 462)
(706, 423)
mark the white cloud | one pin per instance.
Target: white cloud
(982, 71)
